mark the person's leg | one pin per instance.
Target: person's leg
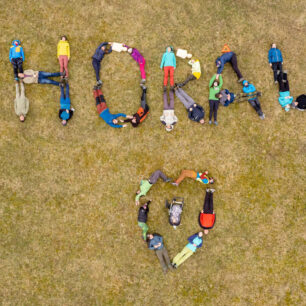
(235, 66)
(43, 74)
(65, 62)
(274, 68)
(15, 68)
(142, 69)
(43, 78)
(156, 175)
(96, 65)
(61, 63)
(144, 227)
(210, 208)
(178, 93)
(165, 98)
(182, 256)
(171, 76)
(171, 98)
(143, 101)
(189, 100)
(206, 202)
(166, 72)
(20, 68)
(166, 257)
(159, 254)
(211, 109)
(17, 90)
(62, 93)
(186, 173)
(285, 81)
(256, 105)
(216, 106)
(189, 78)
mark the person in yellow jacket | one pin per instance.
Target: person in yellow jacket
(63, 55)
(195, 72)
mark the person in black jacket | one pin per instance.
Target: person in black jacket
(300, 103)
(98, 57)
(195, 111)
(142, 219)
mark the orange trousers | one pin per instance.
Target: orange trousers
(186, 173)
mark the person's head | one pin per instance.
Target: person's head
(115, 121)
(64, 116)
(245, 83)
(200, 234)
(21, 75)
(206, 232)
(273, 45)
(64, 122)
(211, 180)
(64, 38)
(130, 50)
(215, 83)
(192, 61)
(149, 237)
(169, 128)
(174, 220)
(103, 48)
(134, 120)
(21, 118)
(168, 49)
(202, 121)
(16, 42)
(137, 192)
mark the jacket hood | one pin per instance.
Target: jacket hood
(15, 40)
(284, 94)
(244, 82)
(170, 48)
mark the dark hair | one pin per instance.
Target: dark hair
(211, 178)
(65, 37)
(217, 94)
(215, 80)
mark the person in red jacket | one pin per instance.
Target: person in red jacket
(207, 216)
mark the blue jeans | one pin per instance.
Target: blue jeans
(43, 78)
(65, 99)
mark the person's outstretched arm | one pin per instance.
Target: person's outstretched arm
(212, 80)
(162, 61)
(174, 61)
(68, 51)
(270, 57)
(22, 54)
(220, 81)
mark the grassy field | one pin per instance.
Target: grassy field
(68, 222)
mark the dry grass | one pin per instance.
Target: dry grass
(68, 226)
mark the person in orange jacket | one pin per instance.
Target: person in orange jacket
(207, 216)
(63, 55)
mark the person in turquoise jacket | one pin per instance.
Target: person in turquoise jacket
(103, 111)
(250, 89)
(285, 100)
(16, 57)
(168, 62)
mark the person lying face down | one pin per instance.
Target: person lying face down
(195, 112)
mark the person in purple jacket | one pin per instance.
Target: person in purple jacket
(138, 57)
(225, 58)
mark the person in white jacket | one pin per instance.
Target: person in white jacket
(168, 118)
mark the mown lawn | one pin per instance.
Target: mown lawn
(68, 222)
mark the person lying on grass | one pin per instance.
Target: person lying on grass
(143, 217)
(197, 176)
(66, 111)
(103, 111)
(155, 242)
(142, 111)
(215, 86)
(194, 242)
(16, 57)
(300, 103)
(168, 118)
(225, 97)
(168, 63)
(21, 103)
(195, 72)
(145, 185)
(40, 77)
(207, 216)
(195, 112)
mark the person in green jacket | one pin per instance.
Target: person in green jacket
(215, 86)
(145, 185)
(168, 62)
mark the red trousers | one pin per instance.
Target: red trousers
(63, 61)
(167, 70)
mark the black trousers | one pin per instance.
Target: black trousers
(96, 65)
(256, 105)
(143, 100)
(283, 82)
(234, 64)
(213, 109)
(17, 66)
(208, 203)
(277, 66)
(190, 77)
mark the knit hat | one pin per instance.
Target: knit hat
(64, 115)
(226, 49)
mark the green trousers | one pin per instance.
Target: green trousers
(182, 256)
(144, 228)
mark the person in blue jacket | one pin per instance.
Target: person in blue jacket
(168, 62)
(155, 242)
(66, 112)
(276, 61)
(104, 113)
(194, 242)
(98, 57)
(16, 57)
(250, 90)
(285, 100)
(225, 58)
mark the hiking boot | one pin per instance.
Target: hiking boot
(215, 122)
(143, 86)
(209, 122)
(174, 265)
(179, 85)
(175, 184)
(165, 88)
(142, 81)
(99, 83)
(212, 190)
(168, 180)
(172, 88)
(95, 87)
(262, 116)
(63, 74)
(240, 80)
